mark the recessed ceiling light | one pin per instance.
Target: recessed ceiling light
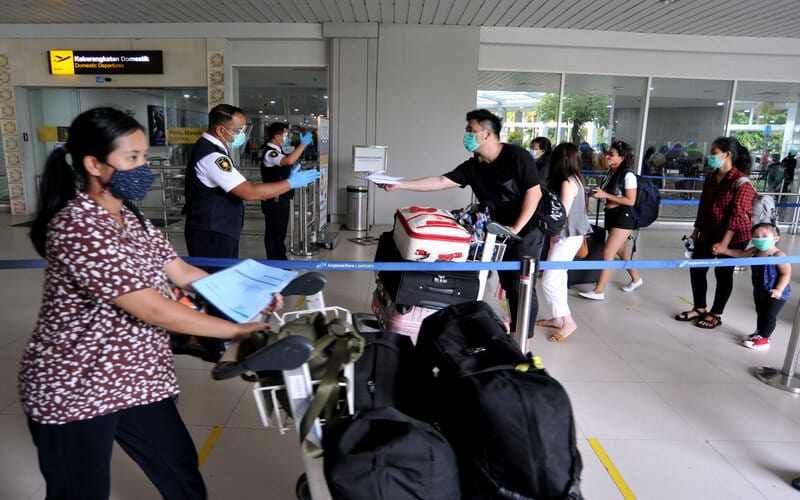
(186, 96)
(296, 109)
(325, 97)
(720, 104)
(272, 102)
(260, 111)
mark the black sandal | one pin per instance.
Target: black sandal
(709, 321)
(684, 316)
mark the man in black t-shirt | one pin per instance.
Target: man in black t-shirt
(505, 178)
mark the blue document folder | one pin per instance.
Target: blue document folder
(243, 290)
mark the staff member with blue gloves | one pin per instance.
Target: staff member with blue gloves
(277, 166)
(215, 189)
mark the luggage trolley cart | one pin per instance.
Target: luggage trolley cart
(290, 355)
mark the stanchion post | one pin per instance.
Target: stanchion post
(786, 379)
(527, 272)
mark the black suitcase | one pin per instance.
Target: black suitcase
(595, 241)
(431, 289)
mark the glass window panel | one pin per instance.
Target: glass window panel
(293, 95)
(599, 109)
(684, 117)
(765, 121)
(523, 100)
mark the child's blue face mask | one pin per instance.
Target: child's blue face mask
(763, 244)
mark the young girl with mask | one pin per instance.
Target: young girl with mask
(771, 286)
(723, 221)
(619, 190)
(98, 367)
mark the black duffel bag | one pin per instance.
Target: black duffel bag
(385, 454)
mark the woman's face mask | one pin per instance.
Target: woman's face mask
(715, 161)
(130, 184)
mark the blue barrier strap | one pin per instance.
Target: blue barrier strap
(313, 265)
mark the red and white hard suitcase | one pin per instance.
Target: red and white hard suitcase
(391, 320)
(429, 234)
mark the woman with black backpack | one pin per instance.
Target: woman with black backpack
(619, 190)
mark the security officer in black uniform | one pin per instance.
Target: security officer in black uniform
(214, 208)
(215, 190)
(275, 166)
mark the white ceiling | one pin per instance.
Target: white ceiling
(748, 18)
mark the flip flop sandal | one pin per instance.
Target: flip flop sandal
(557, 337)
(684, 316)
(711, 321)
(543, 322)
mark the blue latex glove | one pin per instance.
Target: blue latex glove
(299, 178)
(306, 138)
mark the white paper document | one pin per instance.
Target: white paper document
(243, 290)
(381, 178)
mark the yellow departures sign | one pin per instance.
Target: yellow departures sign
(62, 62)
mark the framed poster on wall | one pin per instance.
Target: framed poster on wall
(156, 125)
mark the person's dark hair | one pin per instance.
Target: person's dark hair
(545, 146)
(486, 119)
(564, 163)
(626, 152)
(276, 128)
(92, 133)
(761, 225)
(222, 114)
(740, 155)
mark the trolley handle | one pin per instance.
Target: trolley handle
(287, 353)
(495, 227)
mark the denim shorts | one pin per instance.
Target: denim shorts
(620, 217)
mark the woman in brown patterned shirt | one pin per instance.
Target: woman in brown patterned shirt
(98, 367)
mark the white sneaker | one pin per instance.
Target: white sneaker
(633, 285)
(592, 295)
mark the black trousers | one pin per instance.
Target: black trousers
(211, 244)
(767, 314)
(75, 458)
(724, 276)
(531, 245)
(276, 222)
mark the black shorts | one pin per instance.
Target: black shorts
(620, 217)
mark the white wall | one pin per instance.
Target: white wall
(427, 81)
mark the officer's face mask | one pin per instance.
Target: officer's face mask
(286, 142)
(131, 184)
(239, 137)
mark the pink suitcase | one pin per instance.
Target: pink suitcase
(426, 234)
(391, 320)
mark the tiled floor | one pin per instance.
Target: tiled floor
(676, 408)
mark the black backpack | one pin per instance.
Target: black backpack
(509, 422)
(384, 372)
(550, 215)
(648, 202)
(385, 454)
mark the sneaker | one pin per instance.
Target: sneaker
(757, 343)
(633, 285)
(751, 336)
(592, 295)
